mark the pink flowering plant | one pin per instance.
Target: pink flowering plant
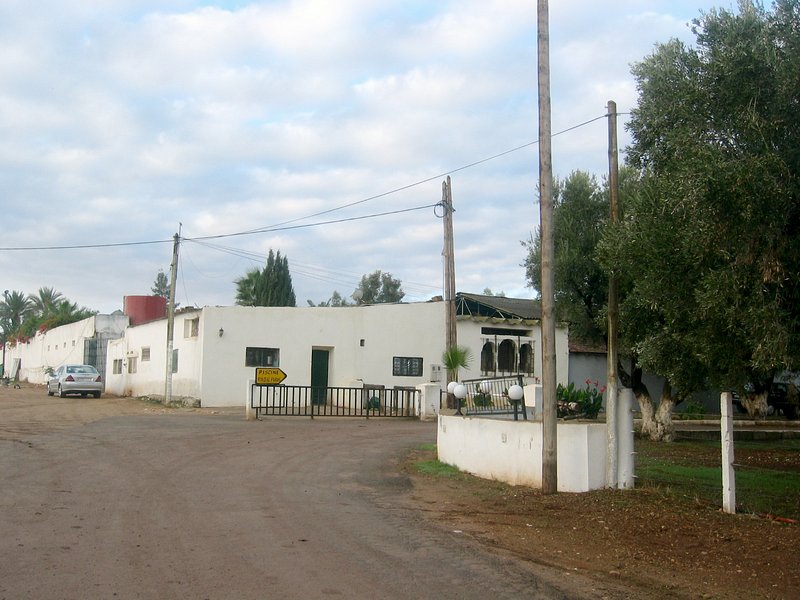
(583, 403)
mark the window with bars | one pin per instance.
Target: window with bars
(407, 366)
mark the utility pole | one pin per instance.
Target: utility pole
(173, 277)
(549, 423)
(612, 389)
(451, 339)
(4, 325)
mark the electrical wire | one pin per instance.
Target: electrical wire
(287, 225)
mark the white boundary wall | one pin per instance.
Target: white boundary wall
(511, 451)
(62, 345)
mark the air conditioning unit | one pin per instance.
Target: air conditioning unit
(436, 373)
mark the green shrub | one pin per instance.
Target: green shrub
(482, 400)
(586, 402)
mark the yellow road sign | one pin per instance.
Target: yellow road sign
(269, 375)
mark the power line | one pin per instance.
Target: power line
(274, 228)
(313, 271)
(432, 178)
(84, 246)
(287, 225)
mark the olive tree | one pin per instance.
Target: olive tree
(712, 246)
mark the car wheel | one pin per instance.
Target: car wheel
(60, 391)
(790, 410)
(49, 391)
(96, 394)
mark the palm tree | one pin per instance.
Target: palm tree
(67, 312)
(45, 302)
(14, 309)
(246, 288)
(455, 358)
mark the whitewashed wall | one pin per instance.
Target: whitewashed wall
(361, 342)
(149, 378)
(387, 331)
(61, 345)
(511, 451)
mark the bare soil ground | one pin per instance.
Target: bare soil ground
(30, 411)
(647, 539)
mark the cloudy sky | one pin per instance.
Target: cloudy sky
(319, 128)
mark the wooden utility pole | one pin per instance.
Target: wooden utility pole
(612, 389)
(173, 277)
(451, 339)
(549, 423)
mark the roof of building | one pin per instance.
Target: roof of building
(499, 307)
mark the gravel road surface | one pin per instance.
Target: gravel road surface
(197, 504)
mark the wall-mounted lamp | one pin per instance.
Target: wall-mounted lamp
(221, 331)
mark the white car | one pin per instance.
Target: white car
(75, 379)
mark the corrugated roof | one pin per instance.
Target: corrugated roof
(480, 305)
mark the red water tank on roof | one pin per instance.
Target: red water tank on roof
(141, 309)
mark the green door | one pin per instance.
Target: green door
(319, 376)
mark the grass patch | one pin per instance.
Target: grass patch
(692, 470)
(435, 468)
(424, 461)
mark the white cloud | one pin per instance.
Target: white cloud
(120, 121)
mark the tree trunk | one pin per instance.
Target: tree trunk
(755, 404)
(665, 429)
(648, 412)
(656, 420)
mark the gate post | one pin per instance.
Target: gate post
(429, 394)
(249, 412)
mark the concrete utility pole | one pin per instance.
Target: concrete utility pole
(451, 339)
(173, 277)
(549, 423)
(612, 420)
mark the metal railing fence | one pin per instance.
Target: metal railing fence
(308, 401)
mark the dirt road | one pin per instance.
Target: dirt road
(203, 504)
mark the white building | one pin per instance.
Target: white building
(216, 349)
(83, 342)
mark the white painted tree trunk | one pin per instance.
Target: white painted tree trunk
(657, 421)
(755, 404)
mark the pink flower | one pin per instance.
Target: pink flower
(603, 390)
(588, 381)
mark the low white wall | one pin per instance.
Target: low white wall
(511, 451)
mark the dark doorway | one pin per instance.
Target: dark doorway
(319, 376)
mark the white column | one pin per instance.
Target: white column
(728, 474)
(626, 463)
